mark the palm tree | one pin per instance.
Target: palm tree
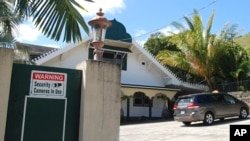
(235, 64)
(194, 45)
(233, 53)
(53, 17)
(200, 51)
(8, 24)
(157, 42)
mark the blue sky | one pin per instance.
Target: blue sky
(144, 17)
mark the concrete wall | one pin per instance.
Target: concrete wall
(244, 96)
(100, 101)
(6, 61)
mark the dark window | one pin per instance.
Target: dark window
(203, 99)
(140, 99)
(229, 99)
(215, 98)
(110, 56)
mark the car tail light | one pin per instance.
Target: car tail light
(193, 105)
(175, 106)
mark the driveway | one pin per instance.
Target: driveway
(176, 131)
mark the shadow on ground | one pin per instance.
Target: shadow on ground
(141, 120)
(217, 122)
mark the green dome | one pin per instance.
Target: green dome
(118, 32)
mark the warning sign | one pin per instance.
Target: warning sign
(45, 83)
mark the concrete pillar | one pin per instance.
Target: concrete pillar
(100, 101)
(6, 62)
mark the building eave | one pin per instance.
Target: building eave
(116, 43)
(149, 87)
(50, 55)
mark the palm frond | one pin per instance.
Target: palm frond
(173, 59)
(189, 22)
(228, 32)
(8, 24)
(56, 19)
(209, 25)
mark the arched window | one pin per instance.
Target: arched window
(140, 99)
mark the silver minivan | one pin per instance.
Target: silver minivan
(207, 107)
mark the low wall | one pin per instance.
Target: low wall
(244, 96)
(6, 60)
(100, 101)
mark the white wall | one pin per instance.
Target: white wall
(136, 73)
(139, 74)
(69, 59)
(136, 111)
(157, 107)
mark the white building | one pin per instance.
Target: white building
(145, 83)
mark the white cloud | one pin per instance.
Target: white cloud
(52, 45)
(169, 30)
(140, 32)
(141, 36)
(108, 6)
(27, 32)
(141, 42)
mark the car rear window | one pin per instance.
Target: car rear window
(184, 101)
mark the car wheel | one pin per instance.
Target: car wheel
(186, 123)
(209, 118)
(243, 113)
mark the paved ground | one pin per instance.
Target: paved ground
(176, 131)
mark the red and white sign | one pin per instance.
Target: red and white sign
(44, 83)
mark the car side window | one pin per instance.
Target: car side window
(221, 98)
(203, 99)
(229, 99)
(214, 98)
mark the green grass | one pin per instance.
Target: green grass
(244, 41)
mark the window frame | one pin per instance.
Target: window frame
(112, 56)
(145, 100)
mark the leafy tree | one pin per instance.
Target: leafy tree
(204, 54)
(157, 42)
(234, 63)
(244, 41)
(22, 56)
(193, 44)
(232, 60)
(8, 24)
